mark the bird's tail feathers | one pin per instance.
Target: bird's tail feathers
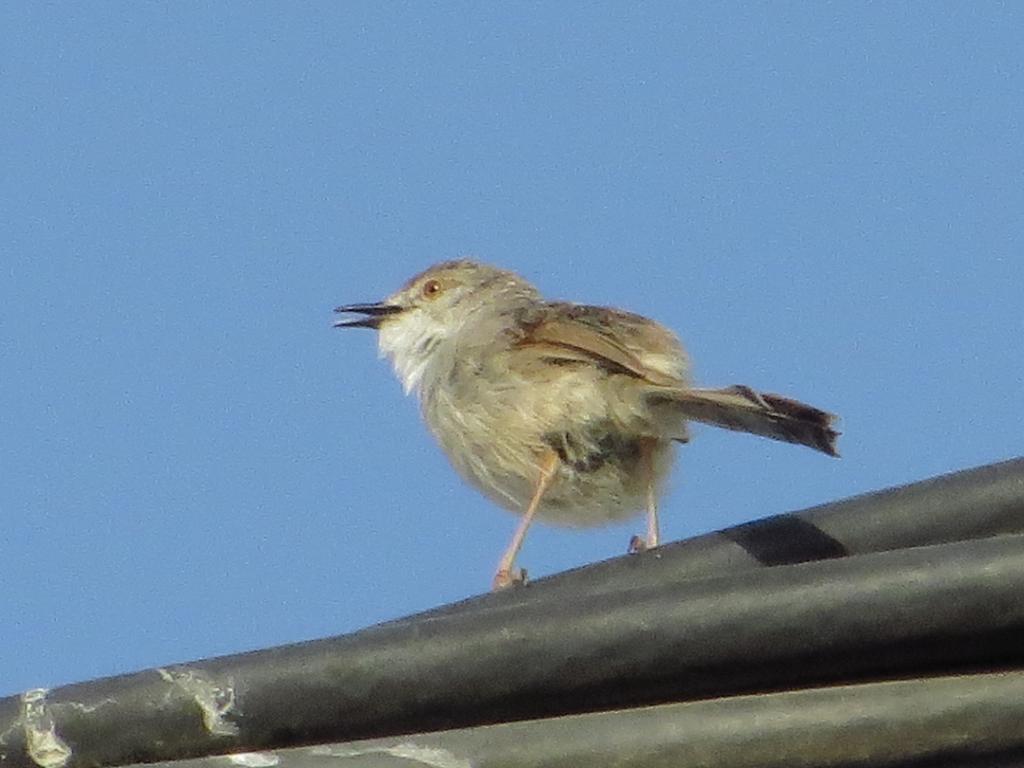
(743, 409)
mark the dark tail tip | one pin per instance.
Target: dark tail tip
(815, 424)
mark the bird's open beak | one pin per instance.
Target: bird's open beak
(375, 314)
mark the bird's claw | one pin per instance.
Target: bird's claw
(637, 544)
(508, 577)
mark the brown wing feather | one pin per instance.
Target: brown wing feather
(604, 337)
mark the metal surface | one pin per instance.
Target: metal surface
(953, 721)
(970, 504)
(914, 584)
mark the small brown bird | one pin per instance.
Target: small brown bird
(561, 411)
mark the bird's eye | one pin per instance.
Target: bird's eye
(431, 289)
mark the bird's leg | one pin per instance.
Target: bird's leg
(505, 575)
(637, 544)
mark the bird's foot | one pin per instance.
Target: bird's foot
(508, 577)
(637, 544)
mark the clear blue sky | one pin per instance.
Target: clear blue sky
(825, 200)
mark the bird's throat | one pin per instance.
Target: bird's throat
(411, 344)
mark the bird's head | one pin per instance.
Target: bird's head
(432, 308)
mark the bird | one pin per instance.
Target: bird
(563, 412)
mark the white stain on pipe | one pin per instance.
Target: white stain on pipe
(432, 757)
(214, 700)
(46, 748)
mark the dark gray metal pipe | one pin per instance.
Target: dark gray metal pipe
(970, 504)
(682, 634)
(968, 721)
(908, 613)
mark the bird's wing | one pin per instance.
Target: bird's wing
(617, 341)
